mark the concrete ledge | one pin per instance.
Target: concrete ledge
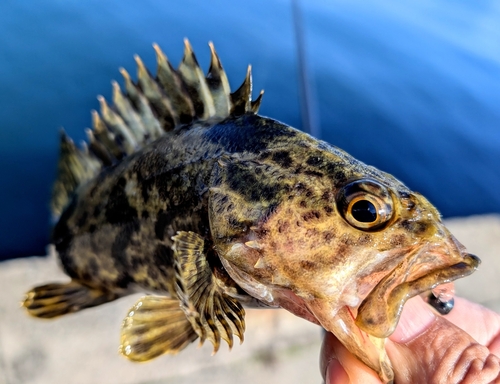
(278, 347)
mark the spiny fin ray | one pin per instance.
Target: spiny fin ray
(148, 118)
(161, 104)
(173, 87)
(219, 85)
(150, 107)
(196, 84)
(128, 114)
(116, 125)
(98, 149)
(74, 168)
(242, 97)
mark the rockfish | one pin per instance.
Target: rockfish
(184, 192)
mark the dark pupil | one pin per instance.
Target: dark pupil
(364, 211)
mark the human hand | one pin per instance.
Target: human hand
(462, 347)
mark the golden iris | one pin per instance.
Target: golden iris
(365, 204)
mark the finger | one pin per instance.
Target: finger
(479, 322)
(494, 346)
(431, 349)
(338, 365)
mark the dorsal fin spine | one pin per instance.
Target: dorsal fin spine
(150, 107)
(161, 104)
(193, 77)
(115, 124)
(219, 85)
(129, 115)
(98, 149)
(172, 85)
(75, 167)
(242, 97)
(255, 105)
(149, 121)
(104, 136)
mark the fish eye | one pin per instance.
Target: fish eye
(365, 204)
(364, 211)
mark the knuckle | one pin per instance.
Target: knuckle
(475, 364)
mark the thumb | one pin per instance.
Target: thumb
(427, 348)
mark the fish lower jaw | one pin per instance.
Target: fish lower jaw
(379, 313)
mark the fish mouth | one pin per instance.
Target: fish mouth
(379, 313)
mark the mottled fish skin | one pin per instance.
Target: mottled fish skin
(226, 207)
(118, 228)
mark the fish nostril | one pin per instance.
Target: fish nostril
(475, 260)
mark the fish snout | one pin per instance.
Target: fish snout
(447, 252)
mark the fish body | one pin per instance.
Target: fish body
(187, 193)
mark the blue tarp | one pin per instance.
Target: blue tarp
(412, 88)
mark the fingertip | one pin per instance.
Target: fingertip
(494, 346)
(338, 365)
(335, 373)
(327, 353)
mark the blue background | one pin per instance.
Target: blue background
(411, 88)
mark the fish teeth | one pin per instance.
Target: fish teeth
(260, 263)
(254, 244)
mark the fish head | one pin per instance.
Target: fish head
(381, 246)
(343, 252)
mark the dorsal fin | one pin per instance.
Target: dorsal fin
(75, 166)
(150, 107)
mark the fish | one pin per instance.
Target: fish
(185, 193)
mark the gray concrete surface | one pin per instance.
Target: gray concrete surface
(278, 347)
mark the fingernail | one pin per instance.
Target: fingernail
(335, 373)
(415, 319)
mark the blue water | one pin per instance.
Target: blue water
(412, 88)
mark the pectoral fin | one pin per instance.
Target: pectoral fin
(212, 313)
(52, 300)
(155, 325)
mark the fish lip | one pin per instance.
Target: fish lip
(379, 312)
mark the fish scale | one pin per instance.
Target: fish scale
(186, 193)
